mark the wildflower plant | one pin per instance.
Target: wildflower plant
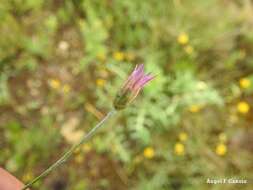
(56, 60)
(135, 82)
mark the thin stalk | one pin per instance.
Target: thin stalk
(65, 157)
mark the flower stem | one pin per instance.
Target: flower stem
(65, 157)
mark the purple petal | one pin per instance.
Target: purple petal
(145, 79)
(135, 76)
(140, 69)
(138, 72)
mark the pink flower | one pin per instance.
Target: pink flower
(135, 82)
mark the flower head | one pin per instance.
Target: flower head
(149, 152)
(244, 83)
(54, 83)
(183, 38)
(221, 149)
(135, 82)
(179, 149)
(243, 107)
(100, 82)
(183, 136)
(118, 56)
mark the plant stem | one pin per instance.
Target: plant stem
(65, 157)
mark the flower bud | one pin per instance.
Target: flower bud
(135, 82)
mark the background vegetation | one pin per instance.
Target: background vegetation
(62, 61)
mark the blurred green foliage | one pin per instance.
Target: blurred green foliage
(62, 62)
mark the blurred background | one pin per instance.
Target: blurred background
(62, 61)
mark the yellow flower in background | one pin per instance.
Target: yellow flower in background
(243, 107)
(119, 56)
(183, 136)
(221, 149)
(194, 108)
(100, 82)
(183, 38)
(66, 88)
(54, 83)
(223, 137)
(189, 49)
(244, 83)
(179, 149)
(149, 152)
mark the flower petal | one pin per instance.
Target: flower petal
(145, 79)
(136, 75)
